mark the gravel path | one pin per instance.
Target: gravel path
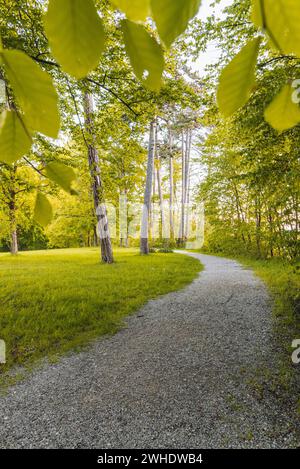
(180, 375)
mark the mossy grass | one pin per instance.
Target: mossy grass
(58, 300)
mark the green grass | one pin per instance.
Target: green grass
(283, 281)
(54, 301)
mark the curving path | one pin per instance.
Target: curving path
(180, 375)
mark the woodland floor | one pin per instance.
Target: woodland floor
(190, 370)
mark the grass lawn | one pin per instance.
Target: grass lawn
(283, 281)
(53, 301)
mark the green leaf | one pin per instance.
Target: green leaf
(43, 212)
(146, 55)
(172, 17)
(76, 35)
(34, 91)
(135, 10)
(237, 79)
(283, 114)
(257, 13)
(61, 174)
(14, 140)
(281, 19)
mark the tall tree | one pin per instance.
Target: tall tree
(171, 183)
(144, 242)
(97, 189)
(159, 185)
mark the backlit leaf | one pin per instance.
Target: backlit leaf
(281, 19)
(34, 91)
(76, 35)
(146, 55)
(43, 212)
(172, 17)
(135, 10)
(237, 79)
(283, 114)
(61, 174)
(14, 140)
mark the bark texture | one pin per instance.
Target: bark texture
(97, 188)
(171, 186)
(144, 243)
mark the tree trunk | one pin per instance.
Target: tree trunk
(152, 205)
(187, 181)
(123, 220)
(14, 242)
(271, 240)
(258, 226)
(159, 188)
(12, 213)
(171, 168)
(181, 230)
(239, 211)
(187, 210)
(97, 189)
(144, 244)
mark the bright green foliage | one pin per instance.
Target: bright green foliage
(61, 174)
(76, 35)
(34, 92)
(43, 212)
(281, 20)
(257, 14)
(135, 10)
(172, 17)
(14, 140)
(283, 113)
(38, 320)
(146, 55)
(238, 79)
(251, 190)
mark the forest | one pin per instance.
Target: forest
(250, 171)
(131, 130)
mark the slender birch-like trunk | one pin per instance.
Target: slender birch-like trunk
(144, 243)
(182, 214)
(152, 205)
(187, 181)
(171, 186)
(187, 208)
(14, 248)
(13, 229)
(258, 225)
(159, 187)
(97, 189)
(123, 219)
